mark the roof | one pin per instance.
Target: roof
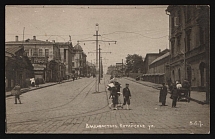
(29, 41)
(161, 57)
(78, 47)
(13, 50)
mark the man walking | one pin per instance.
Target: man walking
(163, 94)
(126, 95)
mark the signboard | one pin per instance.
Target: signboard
(39, 60)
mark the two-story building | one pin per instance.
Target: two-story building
(40, 53)
(189, 44)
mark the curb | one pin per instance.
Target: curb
(195, 100)
(28, 90)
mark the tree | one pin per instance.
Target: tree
(134, 63)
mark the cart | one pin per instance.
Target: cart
(183, 94)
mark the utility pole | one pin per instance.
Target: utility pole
(99, 60)
(98, 68)
(99, 63)
(122, 68)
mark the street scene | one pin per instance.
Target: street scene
(142, 69)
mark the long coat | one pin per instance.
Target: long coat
(163, 94)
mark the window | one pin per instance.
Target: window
(73, 64)
(172, 24)
(172, 47)
(64, 55)
(47, 52)
(179, 43)
(188, 40)
(31, 52)
(202, 36)
(179, 18)
(40, 52)
(27, 52)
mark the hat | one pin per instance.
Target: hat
(126, 84)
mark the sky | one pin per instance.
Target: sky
(137, 29)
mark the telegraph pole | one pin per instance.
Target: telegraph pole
(98, 68)
(122, 67)
(99, 63)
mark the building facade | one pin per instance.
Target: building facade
(189, 44)
(40, 53)
(79, 61)
(18, 68)
(66, 53)
(160, 68)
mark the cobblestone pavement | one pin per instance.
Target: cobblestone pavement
(75, 107)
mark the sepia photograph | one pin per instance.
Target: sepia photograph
(107, 69)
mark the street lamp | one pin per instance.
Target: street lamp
(97, 27)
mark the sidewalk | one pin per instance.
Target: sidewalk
(24, 90)
(198, 97)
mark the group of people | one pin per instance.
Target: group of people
(174, 90)
(114, 88)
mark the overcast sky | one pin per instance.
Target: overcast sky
(137, 29)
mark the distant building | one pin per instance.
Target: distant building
(79, 60)
(150, 57)
(160, 68)
(67, 56)
(189, 44)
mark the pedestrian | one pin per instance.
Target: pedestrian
(16, 92)
(37, 82)
(178, 85)
(126, 95)
(163, 94)
(32, 82)
(114, 96)
(174, 96)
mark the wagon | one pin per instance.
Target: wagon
(183, 94)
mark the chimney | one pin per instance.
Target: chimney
(34, 38)
(159, 50)
(16, 38)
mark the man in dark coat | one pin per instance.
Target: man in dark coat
(114, 96)
(163, 94)
(126, 95)
(174, 96)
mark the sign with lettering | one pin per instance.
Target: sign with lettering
(39, 60)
